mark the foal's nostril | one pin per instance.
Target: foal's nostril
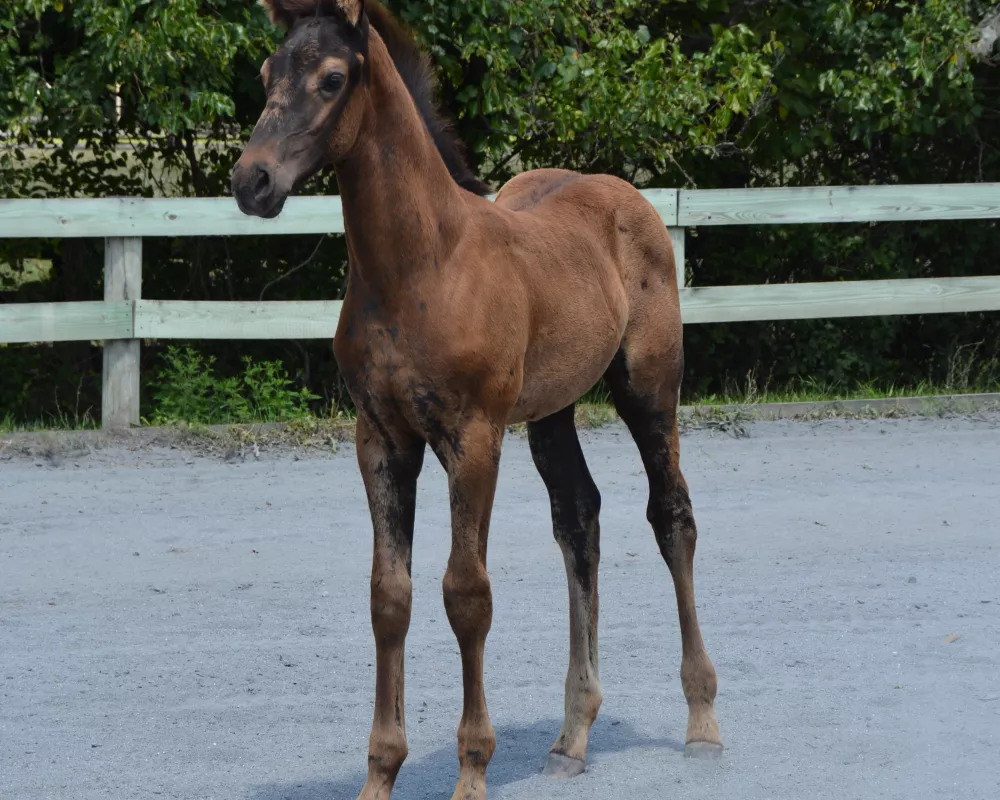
(262, 186)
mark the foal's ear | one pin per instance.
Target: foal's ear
(285, 12)
(282, 13)
(353, 9)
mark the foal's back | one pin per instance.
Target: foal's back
(591, 256)
(575, 227)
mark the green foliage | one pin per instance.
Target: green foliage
(146, 97)
(269, 392)
(583, 83)
(118, 92)
(189, 391)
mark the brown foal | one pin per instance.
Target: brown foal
(462, 316)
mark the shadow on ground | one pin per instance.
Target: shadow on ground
(520, 754)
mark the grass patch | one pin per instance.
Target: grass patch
(966, 373)
(190, 397)
(223, 404)
(810, 392)
(60, 421)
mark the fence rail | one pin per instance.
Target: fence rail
(124, 318)
(927, 202)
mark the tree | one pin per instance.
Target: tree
(145, 97)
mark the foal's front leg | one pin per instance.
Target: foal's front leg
(389, 470)
(472, 458)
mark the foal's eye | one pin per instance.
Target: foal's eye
(333, 82)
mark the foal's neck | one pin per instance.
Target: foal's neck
(403, 212)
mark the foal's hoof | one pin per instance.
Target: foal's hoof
(560, 766)
(704, 750)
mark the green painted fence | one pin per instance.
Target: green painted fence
(124, 318)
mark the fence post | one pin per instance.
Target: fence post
(677, 237)
(122, 281)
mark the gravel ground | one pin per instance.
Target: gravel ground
(177, 626)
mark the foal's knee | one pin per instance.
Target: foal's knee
(468, 600)
(391, 601)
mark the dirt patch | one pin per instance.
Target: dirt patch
(306, 437)
(312, 437)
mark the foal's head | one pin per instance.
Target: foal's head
(317, 95)
(315, 85)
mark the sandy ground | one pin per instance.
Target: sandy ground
(176, 626)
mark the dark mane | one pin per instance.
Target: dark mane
(414, 68)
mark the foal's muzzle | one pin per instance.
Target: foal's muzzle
(257, 186)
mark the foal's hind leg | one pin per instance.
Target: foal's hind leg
(576, 504)
(644, 384)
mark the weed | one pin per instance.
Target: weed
(270, 394)
(722, 420)
(189, 391)
(61, 420)
(595, 415)
(967, 372)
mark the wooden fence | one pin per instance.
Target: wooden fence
(124, 318)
